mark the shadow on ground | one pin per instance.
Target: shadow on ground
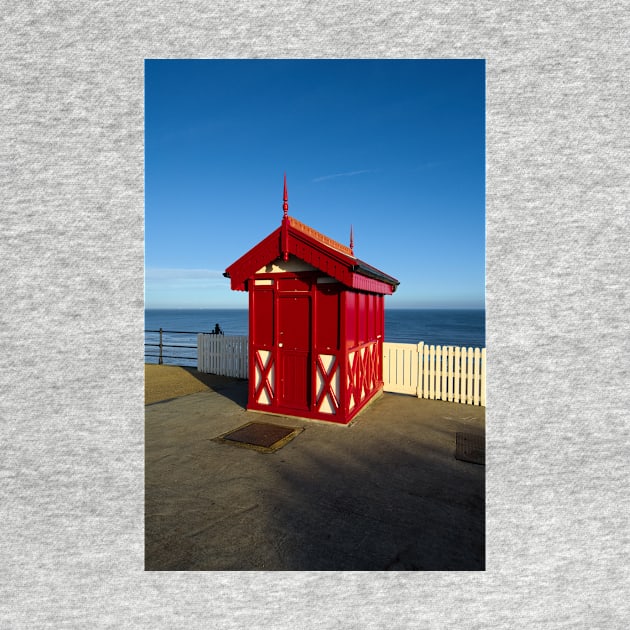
(392, 509)
(385, 493)
(232, 388)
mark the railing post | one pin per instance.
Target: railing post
(160, 359)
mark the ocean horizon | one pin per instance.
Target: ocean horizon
(434, 326)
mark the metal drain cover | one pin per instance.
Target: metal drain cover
(470, 447)
(260, 436)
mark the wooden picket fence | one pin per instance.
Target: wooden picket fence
(445, 373)
(224, 355)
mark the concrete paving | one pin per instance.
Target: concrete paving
(384, 493)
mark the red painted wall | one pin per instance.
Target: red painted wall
(316, 344)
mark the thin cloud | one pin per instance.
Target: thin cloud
(157, 273)
(348, 174)
(160, 278)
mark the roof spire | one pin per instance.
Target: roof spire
(351, 241)
(285, 205)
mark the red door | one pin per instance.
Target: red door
(294, 347)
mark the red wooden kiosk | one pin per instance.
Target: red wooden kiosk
(316, 324)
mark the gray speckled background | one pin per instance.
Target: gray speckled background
(71, 321)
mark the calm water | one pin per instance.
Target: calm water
(456, 327)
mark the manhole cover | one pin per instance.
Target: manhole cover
(260, 436)
(470, 447)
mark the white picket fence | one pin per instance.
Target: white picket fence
(445, 373)
(224, 355)
(437, 372)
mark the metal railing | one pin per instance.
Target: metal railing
(162, 344)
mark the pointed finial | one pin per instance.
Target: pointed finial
(351, 240)
(285, 205)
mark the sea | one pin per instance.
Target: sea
(451, 327)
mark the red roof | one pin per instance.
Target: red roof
(294, 238)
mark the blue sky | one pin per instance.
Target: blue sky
(395, 148)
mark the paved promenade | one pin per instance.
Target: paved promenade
(384, 493)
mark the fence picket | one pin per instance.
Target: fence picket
(469, 374)
(476, 378)
(432, 372)
(443, 369)
(482, 385)
(438, 373)
(419, 369)
(400, 368)
(456, 375)
(462, 376)
(425, 372)
(451, 354)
